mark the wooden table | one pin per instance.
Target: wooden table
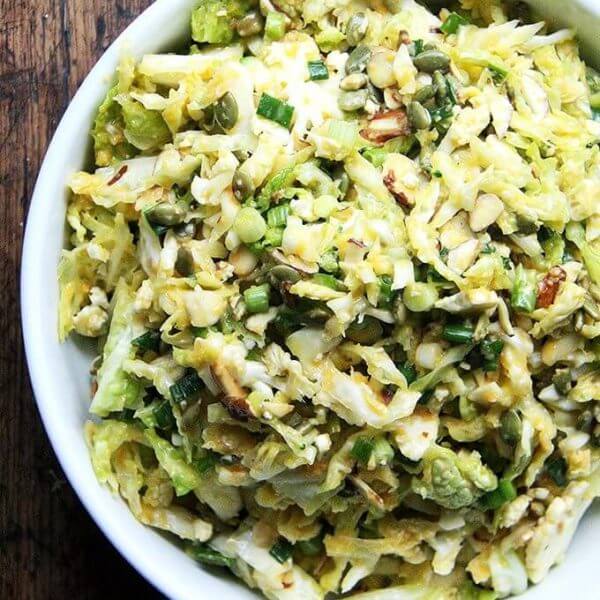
(49, 547)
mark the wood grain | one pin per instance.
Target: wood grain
(49, 546)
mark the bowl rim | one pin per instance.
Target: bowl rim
(143, 563)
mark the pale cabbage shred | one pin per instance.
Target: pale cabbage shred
(289, 470)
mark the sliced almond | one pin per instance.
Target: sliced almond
(488, 207)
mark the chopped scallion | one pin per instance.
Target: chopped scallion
(557, 469)
(327, 280)
(205, 462)
(281, 550)
(278, 215)
(312, 547)
(317, 70)
(329, 262)
(362, 449)
(205, 554)
(275, 110)
(524, 292)
(457, 334)
(163, 415)
(409, 372)
(386, 294)
(186, 387)
(148, 341)
(505, 492)
(452, 23)
(275, 26)
(257, 298)
(490, 351)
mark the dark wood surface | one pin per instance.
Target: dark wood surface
(49, 546)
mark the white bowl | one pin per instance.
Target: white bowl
(59, 372)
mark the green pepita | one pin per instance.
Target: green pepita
(425, 93)
(365, 332)
(430, 61)
(185, 262)
(226, 111)
(418, 116)
(358, 60)
(242, 186)
(282, 274)
(356, 28)
(351, 101)
(166, 213)
(251, 24)
(354, 81)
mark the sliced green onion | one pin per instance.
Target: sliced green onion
(329, 262)
(490, 351)
(205, 462)
(345, 133)
(163, 415)
(203, 553)
(275, 110)
(562, 381)
(327, 280)
(505, 492)
(419, 46)
(186, 387)
(317, 70)
(409, 372)
(386, 294)
(524, 292)
(375, 155)
(281, 180)
(457, 334)
(557, 469)
(278, 215)
(275, 26)
(257, 298)
(383, 452)
(148, 341)
(362, 449)
(249, 225)
(201, 332)
(452, 23)
(499, 74)
(312, 547)
(281, 550)
(420, 297)
(274, 237)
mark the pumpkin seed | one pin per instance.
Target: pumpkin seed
(439, 81)
(354, 82)
(358, 60)
(425, 93)
(251, 24)
(367, 332)
(226, 111)
(430, 61)
(351, 101)
(166, 213)
(185, 230)
(356, 28)
(510, 427)
(418, 116)
(242, 186)
(185, 262)
(283, 273)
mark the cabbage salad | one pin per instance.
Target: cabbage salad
(342, 259)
